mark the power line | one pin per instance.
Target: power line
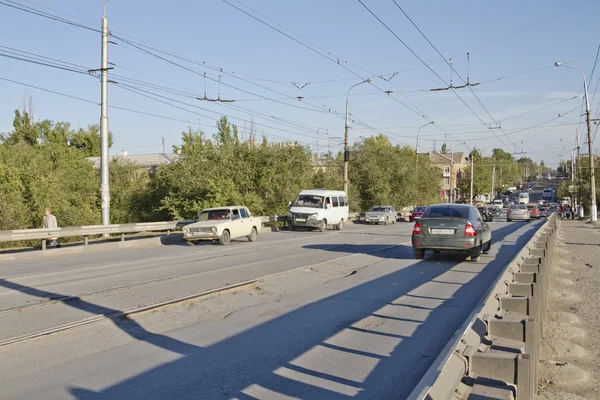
(328, 56)
(528, 27)
(32, 10)
(420, 59)
(450, 65)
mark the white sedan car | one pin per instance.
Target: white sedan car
(381, 215)
(223, 224)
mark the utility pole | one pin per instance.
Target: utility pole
(593, 207)
(163, 144)
(104, 176)
(472, 164)
(451, 173)
(493, 182)
(417, 148)
(346, 149)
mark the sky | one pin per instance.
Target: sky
(322, 48)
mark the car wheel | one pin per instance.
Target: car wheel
(190, 243)
(340, 226)
(225, 238)
(323, 226)
(488, 247)
(253, 235)
(476, 254)
(292, 227)
(419, 254)
(508, 220)
(529, 220)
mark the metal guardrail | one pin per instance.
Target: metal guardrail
(44, 234)
(510, 315)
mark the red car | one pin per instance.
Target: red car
(534, 212)
(415, 214)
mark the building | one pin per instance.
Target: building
(452, 166)
(147, 162)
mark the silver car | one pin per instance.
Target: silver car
(518, 213)
(451, 227)
(381, 215)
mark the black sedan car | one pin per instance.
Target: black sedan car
(486, 213)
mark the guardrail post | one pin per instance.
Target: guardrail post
(122, 237)
(85, 240)
(43, 244)
(532, 348)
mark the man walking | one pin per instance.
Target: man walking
(50, 223)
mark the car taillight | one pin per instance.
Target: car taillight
(417, 229)
(469, 230)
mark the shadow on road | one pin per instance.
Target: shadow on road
(266, 356)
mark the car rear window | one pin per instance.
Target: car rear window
(446, 212)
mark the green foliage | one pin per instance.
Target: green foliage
(386, 174)
(225, 171)
(444, 149)
(43, 164)
(88, 140)
(40, 170)
(508, 172)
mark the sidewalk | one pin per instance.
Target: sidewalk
(570, 353)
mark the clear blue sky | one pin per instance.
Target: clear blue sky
(212, 31)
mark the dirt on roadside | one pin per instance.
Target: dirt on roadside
(570, 349)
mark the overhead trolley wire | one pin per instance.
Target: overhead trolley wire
(449, 64)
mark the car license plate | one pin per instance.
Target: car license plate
(442, 231)
(300, 220)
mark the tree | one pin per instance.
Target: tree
(88, 140)
(444, 149)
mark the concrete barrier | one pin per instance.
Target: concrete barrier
(495, 353)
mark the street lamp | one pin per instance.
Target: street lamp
(593, 208)
(417, 148)
(346, 152)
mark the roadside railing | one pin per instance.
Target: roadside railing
(495, 353)
(44, 234)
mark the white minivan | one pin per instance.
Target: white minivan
(319, 208)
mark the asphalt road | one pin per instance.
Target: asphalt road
(364, 321)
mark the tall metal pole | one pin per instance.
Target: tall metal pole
(593, 207)
(417, 148)
(346, 150)
(472, 164)
(104, 176)
(493, 182)
(451, 173)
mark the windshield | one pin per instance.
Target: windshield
(215, 215)
(309, 200)
(378, 209)
(420, 209)
(446, 212)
